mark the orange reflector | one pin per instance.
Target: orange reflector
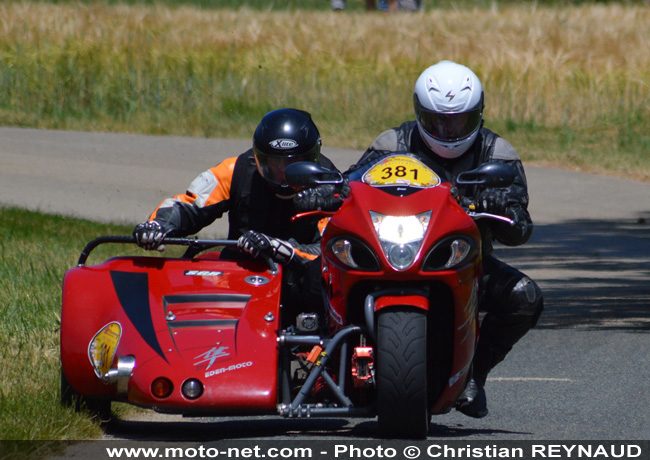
(162, 387)
(314, 354)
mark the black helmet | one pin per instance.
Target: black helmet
(284, 136)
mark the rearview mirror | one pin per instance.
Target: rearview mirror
(308, 174)
(493, 174)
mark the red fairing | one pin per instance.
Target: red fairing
(204, 319)
(447, 218)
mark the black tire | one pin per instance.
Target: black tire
(401, 374)
(97, 408)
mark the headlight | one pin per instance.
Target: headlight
(400, 236)
(354, 254)
(451, 253)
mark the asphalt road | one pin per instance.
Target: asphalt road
(583, 373)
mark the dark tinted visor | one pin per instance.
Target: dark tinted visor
(448, 127)
(272, 167)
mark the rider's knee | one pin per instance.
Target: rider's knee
(526, 300)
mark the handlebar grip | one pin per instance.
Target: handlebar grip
(273, 265)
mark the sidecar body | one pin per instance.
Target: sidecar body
(180, 335)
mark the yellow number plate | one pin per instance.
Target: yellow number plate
(401, 170)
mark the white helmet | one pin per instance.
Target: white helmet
(448, 99)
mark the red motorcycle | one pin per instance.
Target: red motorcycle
(206, 335)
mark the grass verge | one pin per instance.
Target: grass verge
(35, 252)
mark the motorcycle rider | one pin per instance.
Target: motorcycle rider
(448, 135)
(251, 187)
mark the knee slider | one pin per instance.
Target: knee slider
(526, 298)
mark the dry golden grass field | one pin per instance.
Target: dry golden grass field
(569, 86)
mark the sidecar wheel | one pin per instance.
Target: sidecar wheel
(98, 408)
(401, 374)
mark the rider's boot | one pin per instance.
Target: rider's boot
(473, 402)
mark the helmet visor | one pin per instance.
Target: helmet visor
(271, 167)
(450, 126)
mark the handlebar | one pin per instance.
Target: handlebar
(485, 215)
(473, 214)
(192, 243)
(319, 214)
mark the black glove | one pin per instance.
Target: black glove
(497, 201)
(494, 201)
(321, 198)
(255, 243)
(149, 235)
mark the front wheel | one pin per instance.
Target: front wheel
(401, 373)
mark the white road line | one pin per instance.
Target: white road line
(528, 379)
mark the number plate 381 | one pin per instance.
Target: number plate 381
(401, 170)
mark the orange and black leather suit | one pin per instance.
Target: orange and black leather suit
(235, 186)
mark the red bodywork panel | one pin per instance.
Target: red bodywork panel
(447, 219)
(180, 319)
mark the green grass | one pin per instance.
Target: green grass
(35, 252)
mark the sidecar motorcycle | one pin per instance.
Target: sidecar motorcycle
(203, 334)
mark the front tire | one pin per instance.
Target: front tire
(401, 373)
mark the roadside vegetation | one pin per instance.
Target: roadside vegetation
(566, 82)
(35, 252)
(317, 5)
